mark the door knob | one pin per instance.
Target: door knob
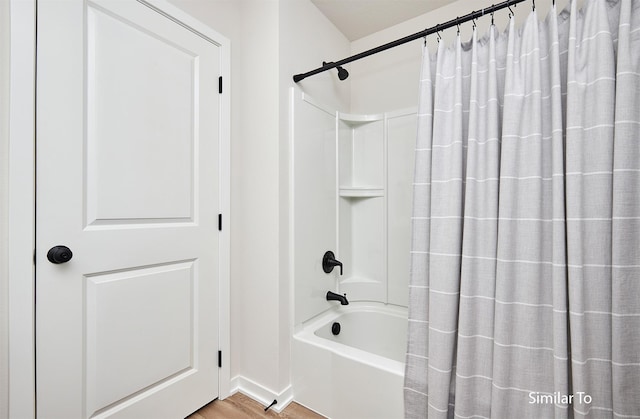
(59, 254)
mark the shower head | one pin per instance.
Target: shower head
(342, 73)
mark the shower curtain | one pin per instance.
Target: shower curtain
(525, 278)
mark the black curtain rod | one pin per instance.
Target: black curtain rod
(453, 22)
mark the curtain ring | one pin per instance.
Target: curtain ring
(458, 23)
(492, 24)
(533, 5)
(511, 14)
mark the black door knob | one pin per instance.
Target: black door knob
(59, 254)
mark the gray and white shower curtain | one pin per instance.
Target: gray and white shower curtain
(525, 278)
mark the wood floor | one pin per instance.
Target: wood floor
(240, 406)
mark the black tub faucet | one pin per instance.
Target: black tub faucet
(332, 296)
(329, 261)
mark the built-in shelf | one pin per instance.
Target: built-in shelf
(373, 154)
(359, 119)
(361, 192)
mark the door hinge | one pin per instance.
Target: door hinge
(219, 359)
(219, 222)
(220, 84)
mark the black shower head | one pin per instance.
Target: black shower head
(342, 73)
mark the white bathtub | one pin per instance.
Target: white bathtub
(357, 374)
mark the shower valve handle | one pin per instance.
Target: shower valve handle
(329, 262)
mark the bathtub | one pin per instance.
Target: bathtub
(357, 374)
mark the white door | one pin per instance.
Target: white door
(128, 180)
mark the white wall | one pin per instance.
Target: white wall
(252, 27)
(389, 80)
(4, 151)
(256, 215)
(307, 38)
(270, 41)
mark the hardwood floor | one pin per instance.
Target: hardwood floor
(240, 406)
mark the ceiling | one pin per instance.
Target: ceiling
(359, 18)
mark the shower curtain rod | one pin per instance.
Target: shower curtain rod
(453, 22)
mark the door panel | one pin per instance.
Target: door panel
(129, 316)
(128, 178)
(146, 100)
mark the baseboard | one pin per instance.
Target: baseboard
(262, 394)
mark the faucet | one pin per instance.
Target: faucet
(332, 296)
(329, 261)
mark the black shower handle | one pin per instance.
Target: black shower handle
(329, 262)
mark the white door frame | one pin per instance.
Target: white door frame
(21, 235)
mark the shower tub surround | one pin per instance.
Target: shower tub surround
(350, 194)
(357, 373)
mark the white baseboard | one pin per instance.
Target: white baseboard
(262, 394)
